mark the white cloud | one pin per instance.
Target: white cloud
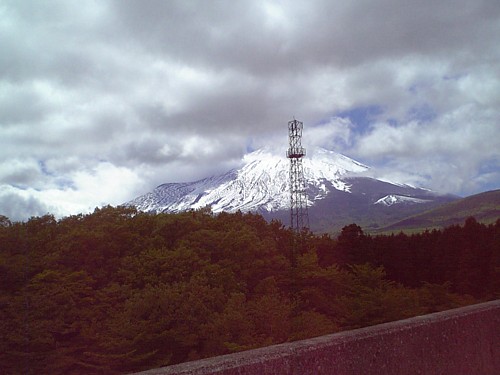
(334, 135)
(445, 154)
(105, 184)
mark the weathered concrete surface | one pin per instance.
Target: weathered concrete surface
(461, 341)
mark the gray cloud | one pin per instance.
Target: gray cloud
(18, 207)
(160, 91)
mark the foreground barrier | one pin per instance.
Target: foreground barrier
(455, 342)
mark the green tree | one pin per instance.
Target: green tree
(49, 323)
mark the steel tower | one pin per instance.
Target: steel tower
(298, 198)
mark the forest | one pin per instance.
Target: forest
(118, 291)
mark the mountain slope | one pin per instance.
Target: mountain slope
(485, 207)
(337, 194)
(359, 205)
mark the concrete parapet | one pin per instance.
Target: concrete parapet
(455, 342)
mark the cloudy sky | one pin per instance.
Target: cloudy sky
(101, 101)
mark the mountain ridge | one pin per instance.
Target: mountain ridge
(484, 207)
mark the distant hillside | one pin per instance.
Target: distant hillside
(485, 207)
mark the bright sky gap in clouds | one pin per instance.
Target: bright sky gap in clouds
(101, 101)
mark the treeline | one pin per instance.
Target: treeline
(466, 258)
(119, 291)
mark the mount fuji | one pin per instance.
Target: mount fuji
(338, 194)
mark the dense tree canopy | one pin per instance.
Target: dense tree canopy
(118, 291)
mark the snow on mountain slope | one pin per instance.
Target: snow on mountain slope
(261, 184)
(391, 199)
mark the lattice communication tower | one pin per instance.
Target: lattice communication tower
(298, 197)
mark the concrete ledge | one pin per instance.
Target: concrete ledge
(460, 341)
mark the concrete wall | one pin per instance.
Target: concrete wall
(461, 341)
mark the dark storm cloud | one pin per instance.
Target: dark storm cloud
(155, 91)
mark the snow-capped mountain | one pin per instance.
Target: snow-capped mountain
(335, 186)
(261, 184)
